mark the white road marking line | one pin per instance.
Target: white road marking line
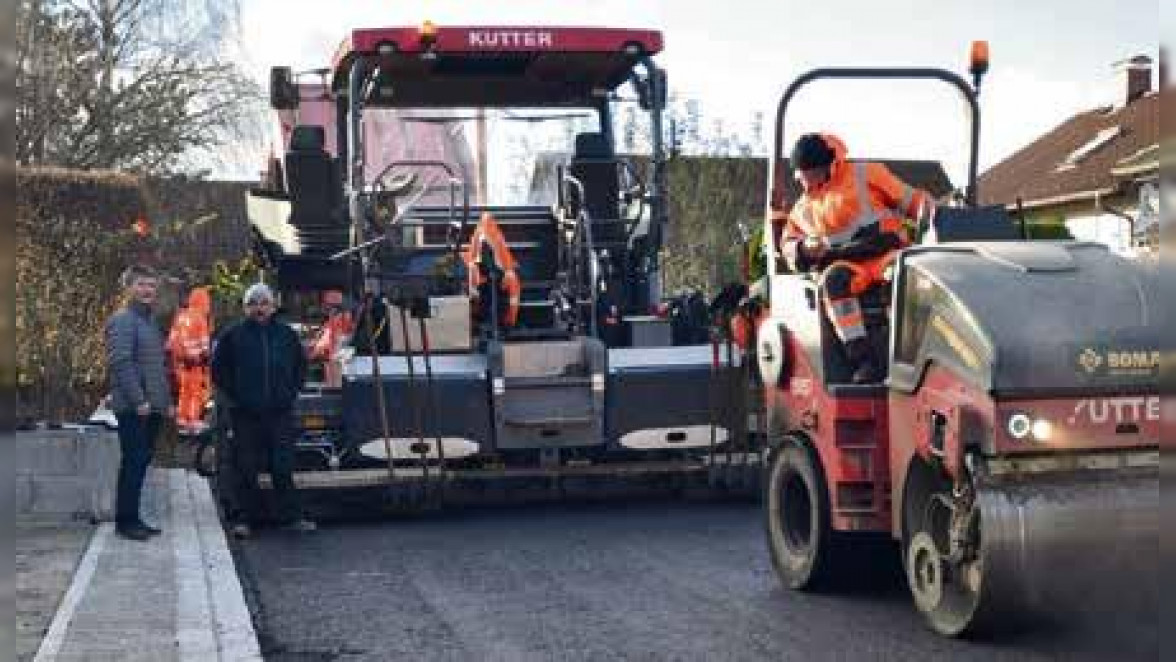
(55, 636)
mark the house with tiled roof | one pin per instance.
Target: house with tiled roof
(1097, 172)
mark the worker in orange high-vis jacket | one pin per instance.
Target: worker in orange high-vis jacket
(188, 348)
(339, 325)
(488, 259)
(849, 225)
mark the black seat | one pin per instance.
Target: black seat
(972, 224)
(312, 178)
(595, 165)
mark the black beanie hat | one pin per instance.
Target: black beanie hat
(811, 151)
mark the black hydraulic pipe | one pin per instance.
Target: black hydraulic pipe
(412, 394)
(378, 382)
(430, 395)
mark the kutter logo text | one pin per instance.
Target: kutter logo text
(1137, 409)
(509, 39)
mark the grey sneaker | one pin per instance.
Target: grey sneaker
(301, 525)
(240, 531)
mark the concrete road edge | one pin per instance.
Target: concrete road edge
(212, 619)
(232, 623)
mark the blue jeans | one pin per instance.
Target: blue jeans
(136, 437)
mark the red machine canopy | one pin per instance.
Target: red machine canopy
(494, 66)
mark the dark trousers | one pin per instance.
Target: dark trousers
(261, 440)
(136, 437)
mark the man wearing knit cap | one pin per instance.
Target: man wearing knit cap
(258, 368)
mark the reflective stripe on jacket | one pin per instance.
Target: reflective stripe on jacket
(859, 200)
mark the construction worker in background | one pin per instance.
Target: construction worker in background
(488, 260)
(748, 311)
(339, 326)
(848, 225)
(188, 350)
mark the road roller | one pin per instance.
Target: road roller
(1011, 448)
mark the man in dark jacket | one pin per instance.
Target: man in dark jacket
(140, 395)
(258, 367)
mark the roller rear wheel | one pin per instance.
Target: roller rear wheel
(797, 519)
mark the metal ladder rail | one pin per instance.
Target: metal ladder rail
(431, 400)
(381, 404)
(418, 423)
(712, 406)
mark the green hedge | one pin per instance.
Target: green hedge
(709, 197)
(74, 236)
(75, 233)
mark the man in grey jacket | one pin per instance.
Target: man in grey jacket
(140, 394)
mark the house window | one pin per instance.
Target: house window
(1100, 140)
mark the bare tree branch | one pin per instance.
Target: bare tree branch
(127, 84)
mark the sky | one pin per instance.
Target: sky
(1050, 58)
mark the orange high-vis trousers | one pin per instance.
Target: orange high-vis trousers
(842, 283)
(194, 391)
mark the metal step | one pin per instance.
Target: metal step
(513, 383)
(550, 422)
(513, 245)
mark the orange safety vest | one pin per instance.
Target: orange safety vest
(858, 196)
(188, 339)
(326, 344)
(488, 232)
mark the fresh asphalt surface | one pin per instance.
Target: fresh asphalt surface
(645, 580)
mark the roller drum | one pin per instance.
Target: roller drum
(1074, 544)
(1053, 546)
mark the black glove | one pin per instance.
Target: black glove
(862, 249)
(726, 302)
(751, 306)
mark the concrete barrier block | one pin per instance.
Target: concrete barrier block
(23, 484)
(49, 453)
(67, 472)
(62, 495)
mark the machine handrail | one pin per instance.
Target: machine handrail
(776, 182)
(585, 222)
(454, 182)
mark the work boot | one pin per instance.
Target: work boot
(865, 366)
(132, 532)
(151, 530)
